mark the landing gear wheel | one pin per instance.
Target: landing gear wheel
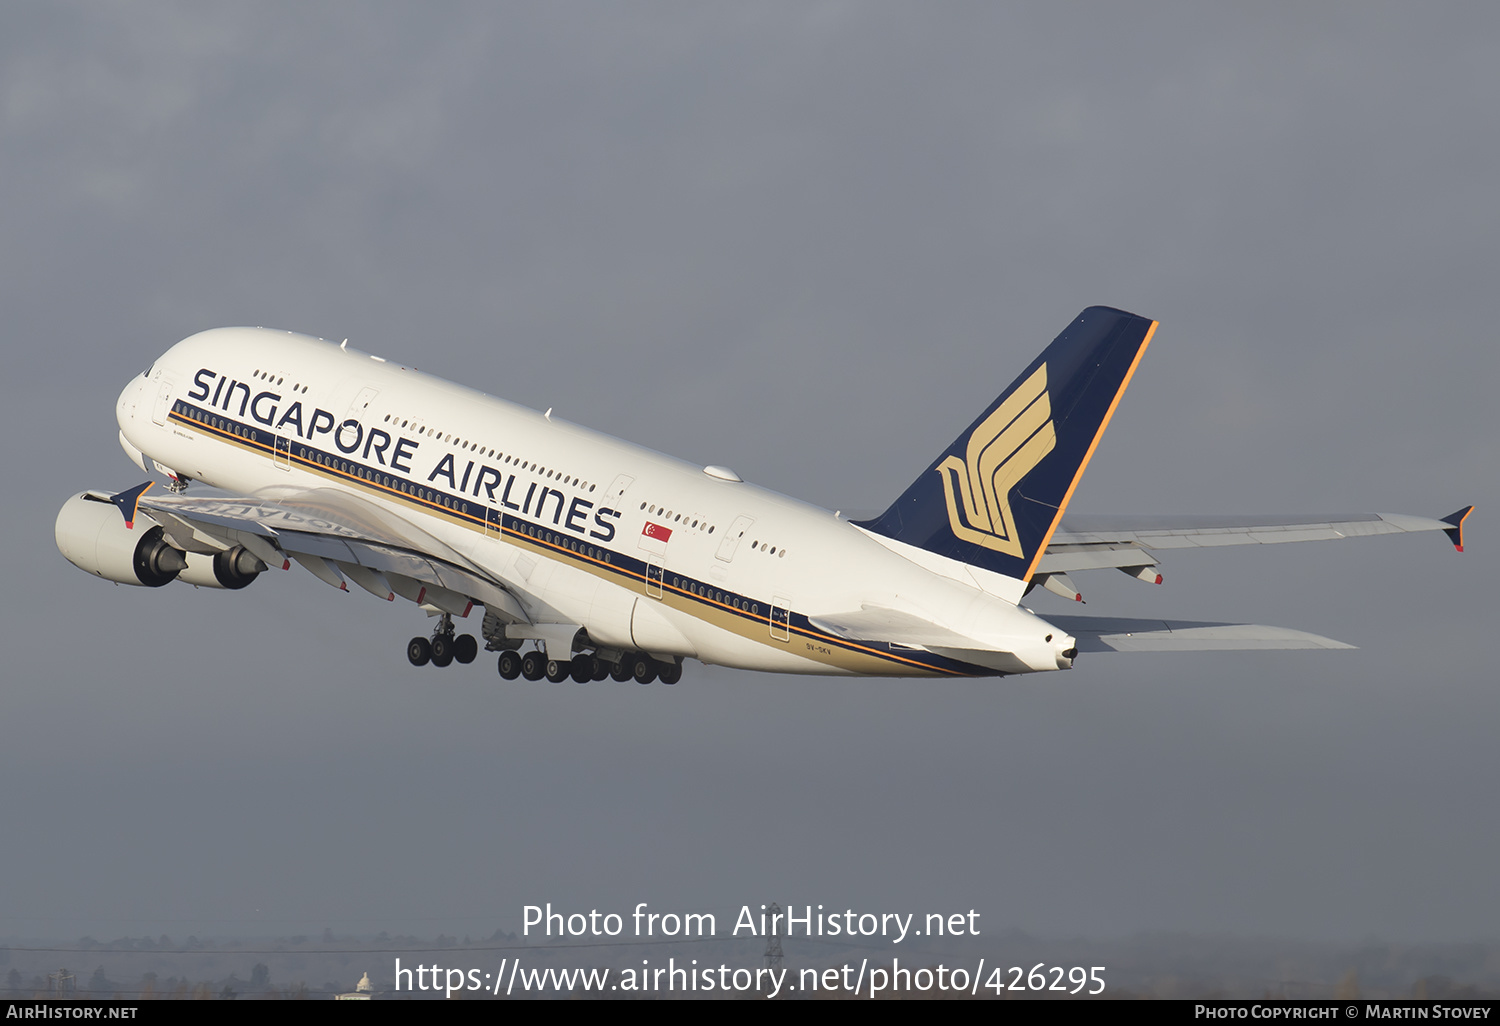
(621, 671)
(669, 673)
(583, 668)
(465, 648)
(557, 672)
(601, 669)
(418, 651)
(533, 666)
(442, 650)
(510, 665)
(643, 668)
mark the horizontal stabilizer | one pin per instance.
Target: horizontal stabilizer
(1123, 634)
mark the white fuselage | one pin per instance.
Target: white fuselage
(640, 549)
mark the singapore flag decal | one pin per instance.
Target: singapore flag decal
(654, 538)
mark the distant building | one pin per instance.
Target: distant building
(364, 990)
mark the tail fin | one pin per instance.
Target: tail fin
(994, 497)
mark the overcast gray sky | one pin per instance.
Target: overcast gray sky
(809, 241)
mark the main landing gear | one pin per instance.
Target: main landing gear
(444, 647)
(585, 667)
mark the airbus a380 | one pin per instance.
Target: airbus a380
(580, 555)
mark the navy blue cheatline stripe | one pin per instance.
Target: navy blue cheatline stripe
(540, 536)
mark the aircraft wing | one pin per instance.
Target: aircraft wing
(1089, 542)
(1123, 634)
(337, 537)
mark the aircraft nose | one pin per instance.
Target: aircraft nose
(129, 402)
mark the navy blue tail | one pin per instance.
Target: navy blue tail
(995, 495)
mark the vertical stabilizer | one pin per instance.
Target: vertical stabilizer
(994, 497)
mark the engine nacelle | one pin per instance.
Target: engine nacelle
(233, 569)
(92, 535)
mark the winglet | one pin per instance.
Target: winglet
(130, 497)
(1456, 532)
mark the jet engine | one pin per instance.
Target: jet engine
(233, 569)
(94, 537)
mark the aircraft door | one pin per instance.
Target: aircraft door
(654, 578)
(492, 523)
(281, 453)
(732, 538)
(618, 486)
(781, 619)
(163, 401)
(361, 402)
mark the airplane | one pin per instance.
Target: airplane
(581, 555)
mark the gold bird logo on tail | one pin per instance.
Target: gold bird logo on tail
(1002, 450)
